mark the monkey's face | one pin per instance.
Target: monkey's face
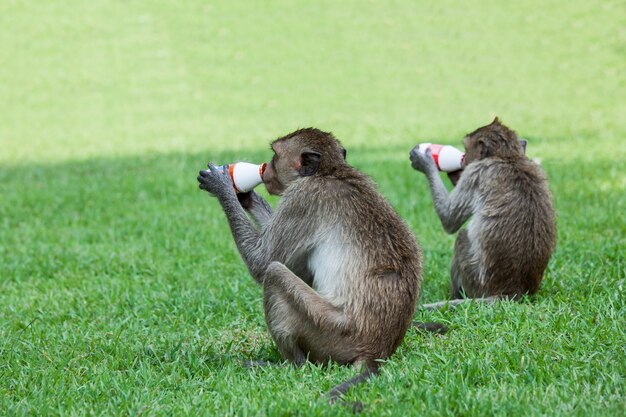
(472, 151)
(282, 170)
(271, 179)
(303, 153)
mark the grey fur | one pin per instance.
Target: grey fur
(340, 270)
(512, 232)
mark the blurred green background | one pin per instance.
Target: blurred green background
(83, 79)
(121, 291)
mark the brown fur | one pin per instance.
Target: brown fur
(340, 270)
(508, 243)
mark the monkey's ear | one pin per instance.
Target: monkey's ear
(277, 146)
(344, 152)
(523, 142)
(482, 148)
(496, 121)
(309, 163)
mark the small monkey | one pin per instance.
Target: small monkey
(340, 270)
(506, 247)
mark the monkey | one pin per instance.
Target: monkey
(511, 236)
(340, 271)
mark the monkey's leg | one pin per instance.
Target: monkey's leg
(455, 279)
(318, 312)
(290, 306)
(282, 322)
(460, 257)
(463, 273)
(302, 297)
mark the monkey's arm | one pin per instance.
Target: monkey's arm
(246, 235)
(451, 214)
(454, 209)
(256, 205)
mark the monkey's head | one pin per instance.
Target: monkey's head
(493, 140)
(303, 153)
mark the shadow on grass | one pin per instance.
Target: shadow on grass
(107, 199)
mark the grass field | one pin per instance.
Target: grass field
(121, 291)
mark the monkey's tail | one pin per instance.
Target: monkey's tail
(337, 392)
(431, 327)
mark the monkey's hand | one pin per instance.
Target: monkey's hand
(215, 182)
(423, 162)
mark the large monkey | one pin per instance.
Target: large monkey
(506, 247)
(340, 271)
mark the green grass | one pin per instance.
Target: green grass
(121, 291)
